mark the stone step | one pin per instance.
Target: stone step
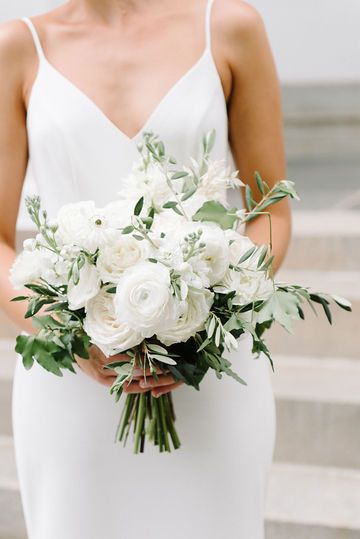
(315, 336)
(318, 411)
(11, 515)
(306, 502)
(302, 501)
(325, 240)
(317, 403)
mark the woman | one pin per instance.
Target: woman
(79, 86)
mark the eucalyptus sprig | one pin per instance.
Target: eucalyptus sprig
(40, 218)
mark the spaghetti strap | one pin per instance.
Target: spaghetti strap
(208, 24)
(35, 37)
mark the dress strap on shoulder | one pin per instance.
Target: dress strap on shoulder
(208, 23)
(35, 36)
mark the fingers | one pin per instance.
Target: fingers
(157, 392)
(163, 380)
(106, 381)
(139, 373)
(164, 384)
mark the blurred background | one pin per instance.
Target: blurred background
(314, 487)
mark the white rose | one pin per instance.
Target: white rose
(119, 255)
(82, 224)
(105, 329)
(249, 286)
(144, 299)
(168, 222)
(29, 266)
(87, 288)
(198, 304)
(249, 283)
(238, 246)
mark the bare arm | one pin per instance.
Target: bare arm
(255, 121)
(13, 158)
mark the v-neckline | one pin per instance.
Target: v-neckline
(206, 52)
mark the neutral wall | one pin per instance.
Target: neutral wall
(313, 40)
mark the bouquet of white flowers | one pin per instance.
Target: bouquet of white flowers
(161, 275)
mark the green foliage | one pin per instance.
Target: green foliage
(217, 213)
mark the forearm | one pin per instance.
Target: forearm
(15, 310)
(258, 231)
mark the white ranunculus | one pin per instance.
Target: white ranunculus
(29, 266)
(149, 183)
(87, 287)
(119, 255)
(118, 213)
(84, 225)
(105, 329)
(216, 252)
(198, 304)
(144, 299)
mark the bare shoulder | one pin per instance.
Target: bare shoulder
(16, 54)
(239, 17)
(241, 25)
(15, 42)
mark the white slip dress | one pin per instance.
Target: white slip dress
(75, 482)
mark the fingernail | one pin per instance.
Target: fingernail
(144, 384)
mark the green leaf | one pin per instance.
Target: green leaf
(80, 345)
(178, 175)
(248, 196)
(47, 361)
(128, 229)
(217, 213)
(41, 322)
(19, 298)
(163, 359)
(211, 327)
(157, 349)
(139, 206)
(247, 255)
(111, 290)
(189, 193)
(260, 183)
(262, 256)
(209, 141)
(38, 289)
(23, 346)
(123, 369)
(342, 302)
(170, 205)
(282, 307)
(35, 304)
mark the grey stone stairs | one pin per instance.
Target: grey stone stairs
(314, 484)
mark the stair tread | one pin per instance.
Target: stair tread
(317, 379)
(296, 493)
(325, 223)
(341, 283)
(314, 496)
(8, 474)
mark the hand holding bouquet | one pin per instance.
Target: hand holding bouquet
(160, 275)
